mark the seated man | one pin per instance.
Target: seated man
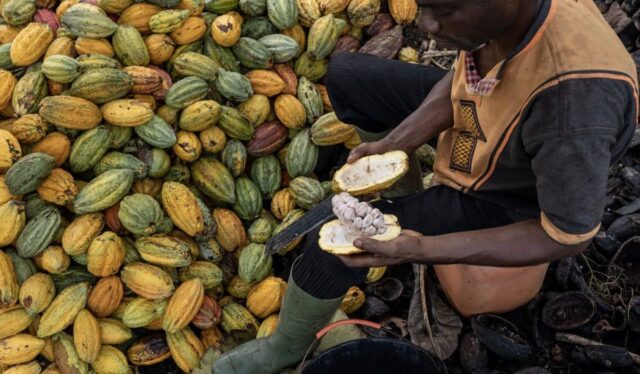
(541, 101)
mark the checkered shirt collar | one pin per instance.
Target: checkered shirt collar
(476, 85)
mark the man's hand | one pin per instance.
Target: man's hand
(373, 148)
(407, 247)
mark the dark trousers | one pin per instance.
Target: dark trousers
(376, 95)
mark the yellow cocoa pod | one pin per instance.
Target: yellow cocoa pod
(86, 336)
(7, 85)
(105, 255)
(52, 369)
(148, 186)
(147, 99)
(192, 30)
(114, 6)
(168, 114)
(13, 221)
(188, 147)
(332, 6)
(353, 300)
(140, 312)
(183, 209)
(138, 16)
(403, 11)
(59, 187)
(147, 280)
(212, 338)
(266, 297)
(111, 361)
(66, 356)
(265, 82)
(19, 348)
(7, 33)
(326, 102)
(256, 109)
(225, 30)
(8, 283)
(79, 235)
(63, 45)
(230, 232)
(200, 115)
(37, 293)
(195, 7)
(282, 203)
(29, 128)
(375, 274)
(63, 310)
(10, 150)
(161, 48)
(239, 288)
(53, 260)
(70, 112)
(289, 77)
(290, 111)
(297, 33)
(149, 350)
(213, 139)
(86, 46)
(309, 12)
(14, 320)
(5, 195)
(362, 12)
(183, 305)
(56, 145)
(353, 141)
(268, 326)
(120, 311)
(113, 331)
(32, 367)
(408, 54)
(186, 349)
(126, 112)
(106, 296)
(329, 130)
(30, 44)
(64, 6)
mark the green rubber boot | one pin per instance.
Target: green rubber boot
(301, 316)
(410, 182)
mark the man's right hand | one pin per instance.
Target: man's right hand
(373, 148)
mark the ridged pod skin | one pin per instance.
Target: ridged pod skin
(200, 115)
(253, 54)
(248, 199)
(268, 138)
(53, 260)
(323, 37)
(191, 30)
(239, 288)
(79, 235)
(138, 16)
(59, 187)
(290, 111)
(147, 280)
(186, 349)
(164, 250)
(160, 47)
(30, 44)
(208, 169)
(326, 102)
(70, 112)
(186, 91)
(403, 11)
(114, 6)
(126, 112)
(9, 287)
(209, 315)
(10, 150)
(149, 350)
(13, 218)
(289, 77)
(313, 70)
(37, 293)
(213, 139)
(282, 13)
(230, 233)
(282, 203)
(265, 82)
(283, 48)
(86, 336)
(306, 191)
(111, 360)
(267, 174)
(113, 331)
(29, 91)
(329, 130)
(167, 21)
(260, 230)
(29, 129)
(129, 46)
(39, 232)
(14, 320)
(256, 109)
(75, 20)
(145, 80)
(225, 30)
(56, 145)
(266, 297)
(253, 266)
(19, 349)
(60, 68)
(105, 255)
(61, 45)
(302, 155)
(362, 12)
(102, 85)
(236, 318)
(7, 33)
(187, 147)
(26, 174)
(86, 46)
(375, 274)
(268, 326)
(63, 310)
(7, 85)
(311, 99)
(106, 296)
(141, 312)
(141, 214)
(183, 305)
(32, 367)
(234, 156)
(183, 209)
(212, 337)
(233, 86)
(65, 355)
(353, 300)
(309, 12)
(332, 6)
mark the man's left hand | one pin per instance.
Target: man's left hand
(407, 247)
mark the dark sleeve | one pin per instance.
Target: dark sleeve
(573, 132)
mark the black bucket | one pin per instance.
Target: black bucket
(375, 356)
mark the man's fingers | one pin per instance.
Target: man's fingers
(357, 153)
(374, 246)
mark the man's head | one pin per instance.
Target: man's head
(466, 24)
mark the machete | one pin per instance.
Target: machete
(313, 218)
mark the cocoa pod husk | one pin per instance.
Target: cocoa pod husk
(385, 45)
(346, 43)
(380, 24)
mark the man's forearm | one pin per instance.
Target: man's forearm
(433, 116)
(520, 244)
